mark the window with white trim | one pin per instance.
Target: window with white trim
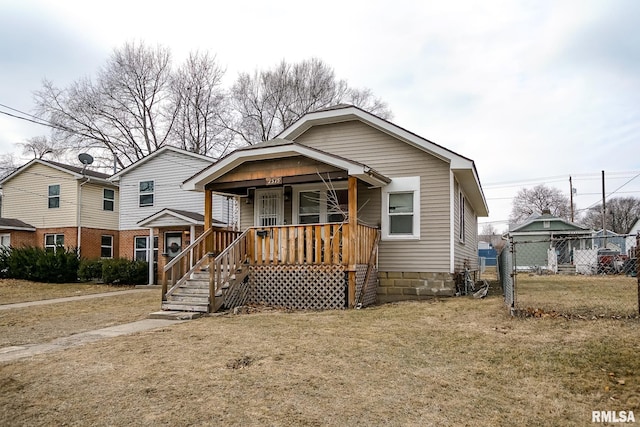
(461, 220)
(54, 196)
(5, 240)
(108, 199)
(146, 194)
(53, 241)
(106, 246)
(141, 246)
(401, 209)
(319, 205)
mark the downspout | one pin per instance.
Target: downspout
(79, 215)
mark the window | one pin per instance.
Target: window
(401, 213)
(142, 246)
(314, 206)
(106, 247)
(146, 190)
(461, 222)
(108, 199)
(401, 209)
(53, 241)
(54, 196)
(5, 240)
(309, 207)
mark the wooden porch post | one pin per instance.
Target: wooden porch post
(208, 215)
(208, 209)
(351, 238)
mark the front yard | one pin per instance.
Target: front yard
(456, 361)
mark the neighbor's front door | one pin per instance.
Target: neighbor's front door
(172, 244)
(269, 207)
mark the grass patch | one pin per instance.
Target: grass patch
(44, 323)
(600, 296)
(14, 291)
(458, 361)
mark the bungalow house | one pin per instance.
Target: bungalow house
(338, 200)
(50, 204)
(156, 215)
(546, 241)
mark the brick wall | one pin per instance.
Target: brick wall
(70, 236)
(20, 239)
(402, 286)
(127, 241)
(90, 246)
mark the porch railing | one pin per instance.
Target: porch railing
(193, 257)
(310, 244)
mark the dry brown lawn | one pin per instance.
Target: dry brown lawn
(615, 295)
(456, 362)
(14, 291)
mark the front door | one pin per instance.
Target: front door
(172, 244)
(269, 207)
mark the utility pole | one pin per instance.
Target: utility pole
(571, 196)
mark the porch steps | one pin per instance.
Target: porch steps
(568, 269)
(193, 295)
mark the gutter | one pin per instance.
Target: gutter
(79, 214)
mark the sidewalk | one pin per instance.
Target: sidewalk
(11, 353)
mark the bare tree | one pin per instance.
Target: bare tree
(126, 112)
(533, 201)
(40, 146)
(268, 101)
(621, 215)
(201, 106)
(8, 164)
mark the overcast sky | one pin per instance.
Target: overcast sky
(532, 91)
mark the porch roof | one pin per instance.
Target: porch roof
(7, 224)
(173, 217)
(277, 149)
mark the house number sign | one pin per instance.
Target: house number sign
(274, 181)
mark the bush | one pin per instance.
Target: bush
(39, 265)
(90, 269)
(122, 271)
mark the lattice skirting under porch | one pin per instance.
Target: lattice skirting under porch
(370, 291)
(301, 287)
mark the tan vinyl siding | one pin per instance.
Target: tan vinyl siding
(393, 158)
(246, 214)
(92, 214)
(467, 250)
(26, 197)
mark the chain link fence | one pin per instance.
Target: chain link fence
(583, 277)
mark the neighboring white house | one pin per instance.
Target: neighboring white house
(633, 232)
(156, 214)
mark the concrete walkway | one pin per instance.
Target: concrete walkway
(8, 354)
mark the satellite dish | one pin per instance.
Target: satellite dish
(85, 159)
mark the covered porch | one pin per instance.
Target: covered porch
(299, 242)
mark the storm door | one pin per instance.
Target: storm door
(269, 207)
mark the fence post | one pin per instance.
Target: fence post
(638, 266)
(513, 272)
